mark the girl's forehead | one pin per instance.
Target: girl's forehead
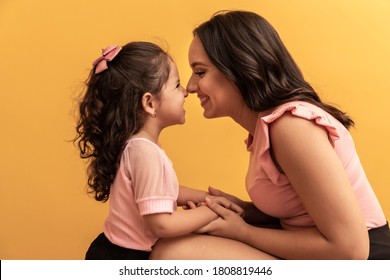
(172, 64)
(173, 71)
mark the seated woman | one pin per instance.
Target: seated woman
(303, 169)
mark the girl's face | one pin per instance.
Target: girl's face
(218, 95)
(170, 110)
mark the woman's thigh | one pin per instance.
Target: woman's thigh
(205, 247)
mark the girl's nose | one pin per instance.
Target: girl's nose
(185, 92)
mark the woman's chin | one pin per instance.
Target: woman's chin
(211, 115)
(207, 116)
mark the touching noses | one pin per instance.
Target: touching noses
(185, 92)
(191, 85)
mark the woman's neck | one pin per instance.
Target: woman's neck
(247, 119)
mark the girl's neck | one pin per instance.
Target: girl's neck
(147, 133)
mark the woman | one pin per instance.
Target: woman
(303, 170)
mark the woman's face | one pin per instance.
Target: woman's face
(218, 95)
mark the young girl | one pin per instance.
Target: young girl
(133, 93)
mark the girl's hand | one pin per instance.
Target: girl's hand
(221, 201)
(193, 205)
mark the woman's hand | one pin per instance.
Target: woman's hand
(251, 214)
(225, 203)
(230, 223)
(215, 192)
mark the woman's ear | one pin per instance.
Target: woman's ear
(149, 104)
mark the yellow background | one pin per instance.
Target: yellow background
(46, 50)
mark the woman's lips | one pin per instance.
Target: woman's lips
(203, 99)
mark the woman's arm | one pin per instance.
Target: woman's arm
(303, 151)
(180, 222)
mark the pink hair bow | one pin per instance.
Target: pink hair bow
(108, 54)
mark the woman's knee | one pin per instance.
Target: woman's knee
(171, 248)
(205, 247)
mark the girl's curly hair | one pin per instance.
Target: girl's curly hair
(110, 110)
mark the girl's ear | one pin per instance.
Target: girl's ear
(149, 104)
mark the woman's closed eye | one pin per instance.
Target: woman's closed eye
(200, 73)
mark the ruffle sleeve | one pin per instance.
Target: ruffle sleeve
(298, 109)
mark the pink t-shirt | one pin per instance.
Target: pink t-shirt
(145, 183)
(271, 191)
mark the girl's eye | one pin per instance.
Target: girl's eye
(178, 85)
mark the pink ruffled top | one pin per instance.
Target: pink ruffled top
(271, 191)
(145, 183)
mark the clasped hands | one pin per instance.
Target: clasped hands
(230, 211)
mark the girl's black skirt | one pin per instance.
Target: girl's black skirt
(379, 243)
(102, 249)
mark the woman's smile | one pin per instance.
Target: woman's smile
(203, 99)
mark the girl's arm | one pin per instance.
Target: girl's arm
(187, 194)
(180, 222)
(302, 149)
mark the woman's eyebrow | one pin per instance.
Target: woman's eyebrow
(196, 63)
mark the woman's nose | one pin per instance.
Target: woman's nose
(191, 85)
